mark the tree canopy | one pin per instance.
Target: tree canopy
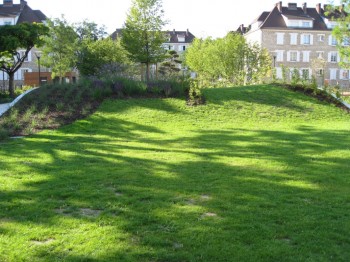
(14, 37)
(142, 34)
(230, 59)
(81, 46)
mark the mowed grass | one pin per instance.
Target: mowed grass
(257, 174)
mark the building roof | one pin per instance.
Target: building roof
(23, 11)
(174, 36)
(277, 17)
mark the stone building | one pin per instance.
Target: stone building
(300, 38)
(13, 14)
(178, 41)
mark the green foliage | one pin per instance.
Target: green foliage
(195, 96)
(229, 60)
(341, 31)
(59, 52)
(285, 74)
(171, 66)
(94, 54)
(14, 37)
(142, 35)
(82, 46)
(295, 77)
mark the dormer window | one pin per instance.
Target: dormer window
(292, 6)
(306, 24)
(181, 38)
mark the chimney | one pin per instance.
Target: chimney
(187, 32)
(279, 6)
(305, 8)
(242, 28)
(8, 3)
(23, 4)
(318, 8)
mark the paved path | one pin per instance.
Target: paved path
(5, 107)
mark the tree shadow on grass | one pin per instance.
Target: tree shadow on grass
(234, 194)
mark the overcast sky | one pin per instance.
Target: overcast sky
(202, 17)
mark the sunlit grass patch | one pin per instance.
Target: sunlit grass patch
(256, 174)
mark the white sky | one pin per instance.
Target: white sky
(202, 17)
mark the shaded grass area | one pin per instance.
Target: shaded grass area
(256, 174)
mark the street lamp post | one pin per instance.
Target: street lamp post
(274, 61)
(3, 80)
(38, 56)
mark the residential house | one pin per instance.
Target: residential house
(177, 41)
(13, 14)
(300, 38)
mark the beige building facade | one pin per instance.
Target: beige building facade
(300, 39)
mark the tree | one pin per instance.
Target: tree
(171, 65)
(59, 51)
(95, 54)
(142, 36)
(14, 37)
(230, 59)
(341, 31)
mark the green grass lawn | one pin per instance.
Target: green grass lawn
(257, 174)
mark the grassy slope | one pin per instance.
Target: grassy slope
(259, 173)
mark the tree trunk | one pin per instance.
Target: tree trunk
(11, 84)
(147, 72)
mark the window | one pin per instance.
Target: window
(293, 23)
(305, 73)
(7, 23)
(22, 53)
(306, 39)
(332, 40)
(346, 41)
(293, 56)
(319, 72)
(319, 54)
(344, 74)
(321, 38)
(333, 57)
(278, 72)
(293, 39)
(333, 73)
(279, 55)
(306, 56)
(280, 38)
(306, 24)
(183, 48)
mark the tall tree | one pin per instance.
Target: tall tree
(13, 37)
(59, 51)
(142, 34)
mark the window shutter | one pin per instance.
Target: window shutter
(288, 56)
(329, 57)
(311, 39)
(330, 40)
(298, 56)
(338, 57)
